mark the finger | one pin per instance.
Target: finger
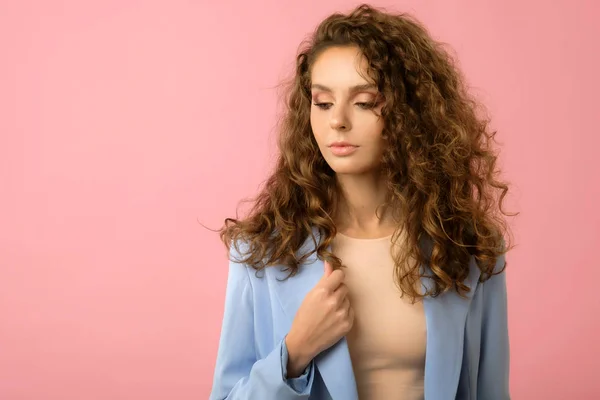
(346, 304)
(334, 280)
(341, 292)
(328, 269)
(351, 315)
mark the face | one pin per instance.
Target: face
(345, 112)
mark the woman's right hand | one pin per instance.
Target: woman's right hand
(324, 317)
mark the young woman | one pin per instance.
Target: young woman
(371, 265)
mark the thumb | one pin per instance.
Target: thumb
(327, 270)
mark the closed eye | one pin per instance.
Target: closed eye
(367, 106)
(364, 106)
(323, 106)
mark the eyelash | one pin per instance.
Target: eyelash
(364, 106)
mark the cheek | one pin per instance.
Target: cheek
(372, 130)
(318, 129)
(377, 143)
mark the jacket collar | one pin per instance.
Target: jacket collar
(445, 317)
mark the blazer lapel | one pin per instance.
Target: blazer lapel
(445, 317)
(334, 364)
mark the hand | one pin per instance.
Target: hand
(324, 317)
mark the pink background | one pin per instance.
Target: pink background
(125, 123)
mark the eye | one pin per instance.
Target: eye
(323, 106)
(367, 106)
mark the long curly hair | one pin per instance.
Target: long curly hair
(440, 162)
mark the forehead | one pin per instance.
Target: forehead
(340, 68)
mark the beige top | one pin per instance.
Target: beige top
(387, 342)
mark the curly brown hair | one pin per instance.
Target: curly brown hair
(440, 163)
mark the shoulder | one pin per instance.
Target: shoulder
(492, 289)
(500, 267)
(238, 277)
(241, 271)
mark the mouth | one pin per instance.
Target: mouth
(342, 148)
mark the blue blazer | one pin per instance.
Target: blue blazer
(467, 354)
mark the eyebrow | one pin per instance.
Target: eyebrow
(353, 89)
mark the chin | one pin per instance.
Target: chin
(350, 168)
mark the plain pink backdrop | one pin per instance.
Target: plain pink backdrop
(124, 123)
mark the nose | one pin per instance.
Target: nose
(339, 120)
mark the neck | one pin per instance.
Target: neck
(361, 209)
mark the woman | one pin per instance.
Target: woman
(371, 265)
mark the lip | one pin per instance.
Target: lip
(342, 148)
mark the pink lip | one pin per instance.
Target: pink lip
(342, 148)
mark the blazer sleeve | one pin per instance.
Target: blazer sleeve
(239, 374)
(493, 377)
